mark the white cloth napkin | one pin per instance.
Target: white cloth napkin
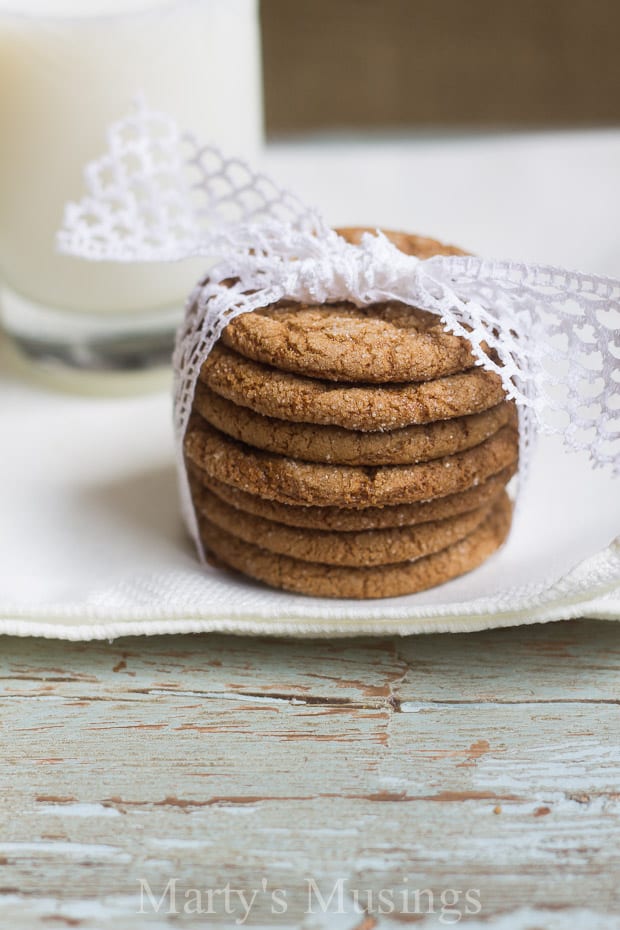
(91, 542)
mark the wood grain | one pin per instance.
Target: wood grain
(487, 761)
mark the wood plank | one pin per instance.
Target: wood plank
(487, 762)
(578, 660)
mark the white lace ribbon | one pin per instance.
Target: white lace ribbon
(158, 195)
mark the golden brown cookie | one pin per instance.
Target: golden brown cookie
(333, 444)
(341, 342)
(347, 520)
(276, 393)
(316, 579)
(367, 547)
(291, 481)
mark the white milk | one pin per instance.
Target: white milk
(70, 67)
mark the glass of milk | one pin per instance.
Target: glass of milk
(68, 68)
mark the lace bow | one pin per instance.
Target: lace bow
(158, 195)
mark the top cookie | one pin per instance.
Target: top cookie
(385, 342)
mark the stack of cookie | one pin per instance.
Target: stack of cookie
(347, 452)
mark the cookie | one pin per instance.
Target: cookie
(291, 481)
(366, 547)
(409, 243)
(341, 519)
(367, 407)
(282, 571)
(341, 342)
(315, 443)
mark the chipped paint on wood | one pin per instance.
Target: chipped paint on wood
(488, 761)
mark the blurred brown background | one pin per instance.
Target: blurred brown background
(451, 63)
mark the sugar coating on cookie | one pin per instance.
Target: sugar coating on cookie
(347, 519)
(367, 407)
(339, 451)
(333, 444)
(356, 548)
(292, 481)
(311, 578)
(384, 342)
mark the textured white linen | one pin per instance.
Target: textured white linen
(91, 542)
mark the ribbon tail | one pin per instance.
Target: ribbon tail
(556, 334)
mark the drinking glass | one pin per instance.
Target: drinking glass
(68, 68)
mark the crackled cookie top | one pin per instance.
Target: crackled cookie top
(384, 342)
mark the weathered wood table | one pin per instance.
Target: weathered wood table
(215, 781)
